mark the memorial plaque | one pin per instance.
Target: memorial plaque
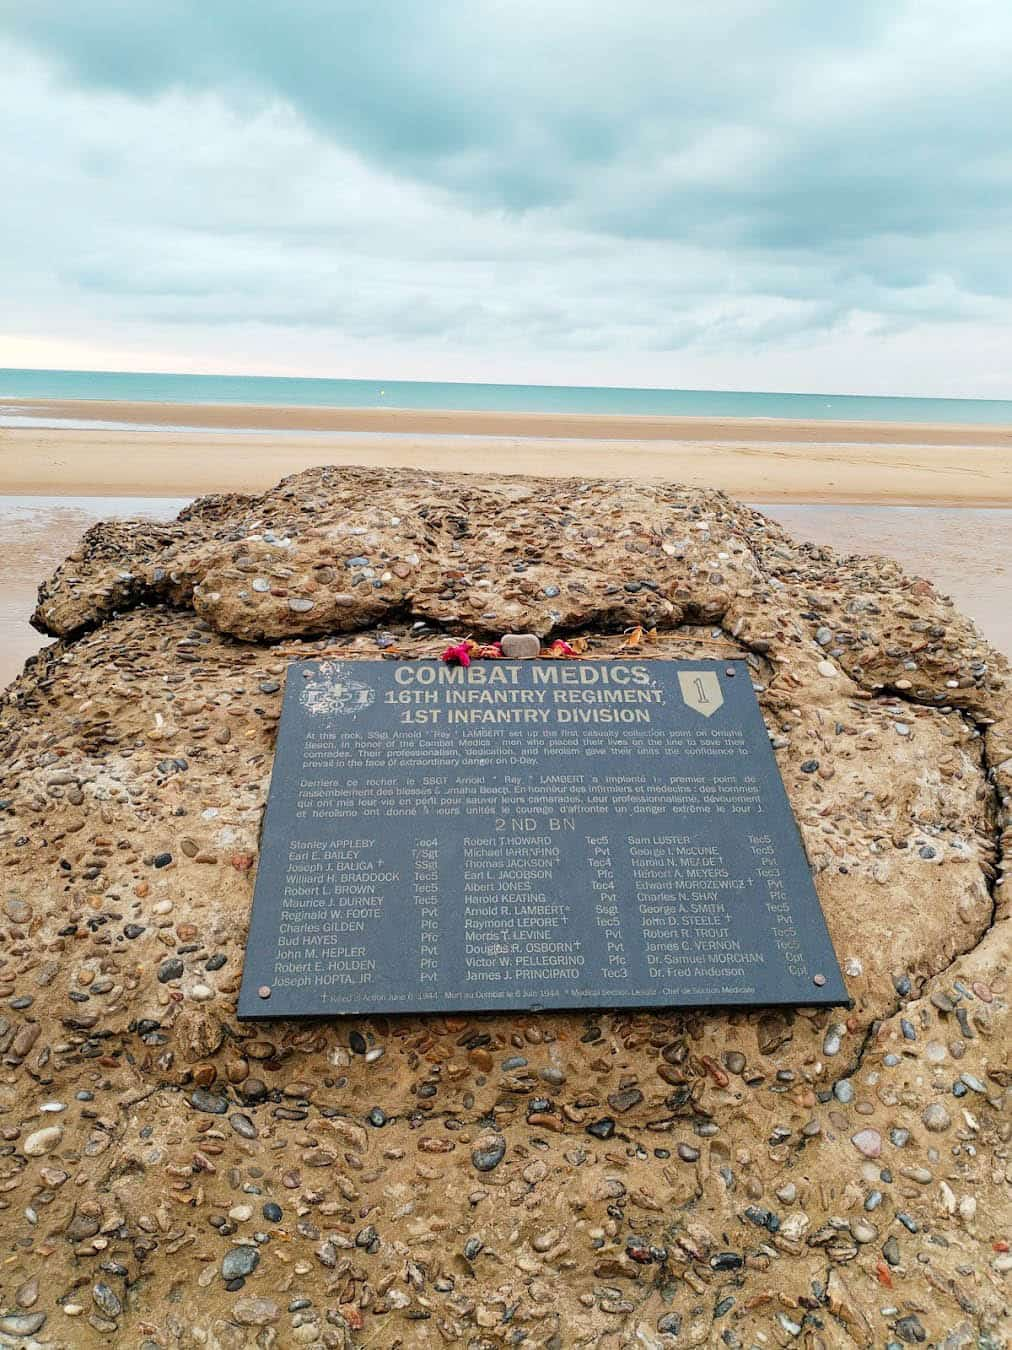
(528, 835)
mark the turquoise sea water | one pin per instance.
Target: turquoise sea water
(277, 391)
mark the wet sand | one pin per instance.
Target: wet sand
(152, 449)
(966, 553)
(36, 534)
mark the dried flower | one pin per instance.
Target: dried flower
(459, 653)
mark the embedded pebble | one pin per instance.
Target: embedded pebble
(22, 1324)
(935, 1117)
(42, 1141)
(106, 1299)
(239, 1262)
(488, 1152)
(868, 1142)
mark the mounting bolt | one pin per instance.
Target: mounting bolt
(264, 991)
(820, 980)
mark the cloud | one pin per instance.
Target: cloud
(524, 180)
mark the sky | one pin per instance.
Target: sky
(746, 194)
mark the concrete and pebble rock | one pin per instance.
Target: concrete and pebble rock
(172, 1177)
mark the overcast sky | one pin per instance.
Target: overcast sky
(763, 194)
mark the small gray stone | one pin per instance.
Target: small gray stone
(202, 1100)
(251, 1311)
(909, 1329)
(936, 1118)
(521, 646)
(22, 1324)
(106, 1300)
(488, 1152)
(239, 1262)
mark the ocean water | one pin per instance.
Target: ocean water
(121, 386)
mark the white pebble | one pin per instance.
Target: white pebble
(41, 1141)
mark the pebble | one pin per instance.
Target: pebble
(868, 1142)
(22, 1324)
(211, 1102)
(910, 1330)
(726, 1261)
(520, 646)
(239, 1262)
(488, 1152)
(833, 1039)
(936, 1118)
(603, 1128)
(28, 1294)
(254, 1311)
(43, 1141)
(106, 1299)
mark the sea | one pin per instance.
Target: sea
(277, 391)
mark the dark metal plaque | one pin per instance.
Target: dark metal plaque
(526, 835)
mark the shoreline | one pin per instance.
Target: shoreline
(543, 425)
(802, 462)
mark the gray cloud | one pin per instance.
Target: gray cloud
(521, 177)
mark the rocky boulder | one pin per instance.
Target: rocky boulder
(612, 1179)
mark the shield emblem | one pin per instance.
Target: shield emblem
(700, 691)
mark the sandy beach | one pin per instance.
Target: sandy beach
(934, 497)
(138, 452)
